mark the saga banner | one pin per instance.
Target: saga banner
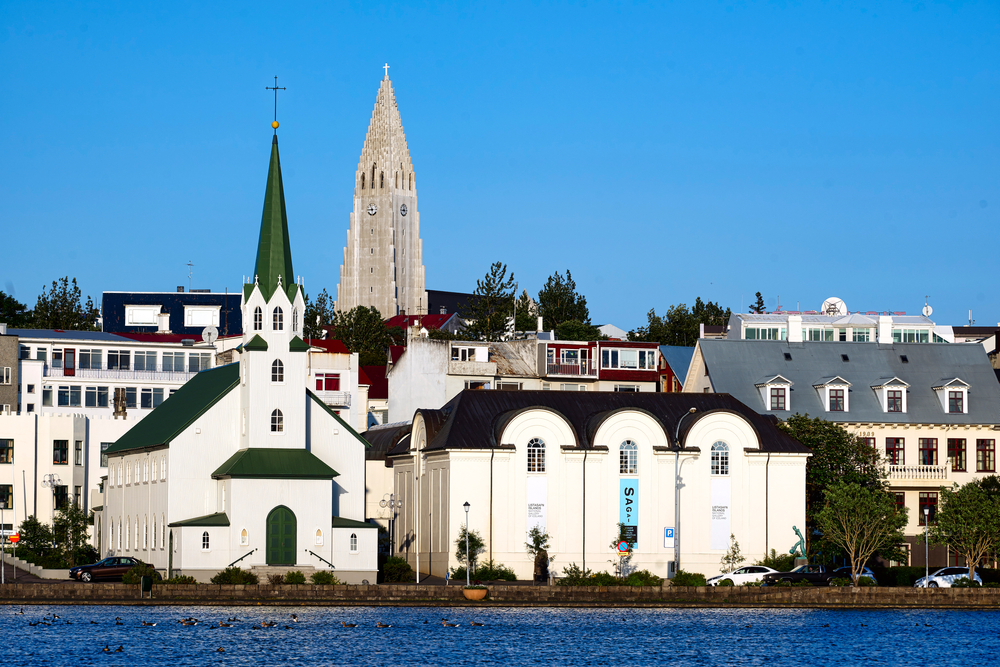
(537, 492)
(628, 513)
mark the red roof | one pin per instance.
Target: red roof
(329, 345)
(378, 383)
(395, 352)
(165, 337)
(429, 322)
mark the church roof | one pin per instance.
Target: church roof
(217, 519)
(275, 463)
(274, 252)
(180, 410)
(341, 522)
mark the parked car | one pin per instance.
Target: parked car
(818, 575)
(742, 575)
(945, 577)
(845, 572)
(113, 567)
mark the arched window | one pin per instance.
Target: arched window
(145, 471)
(277, 371)
(354, 542)
(277, 422)
(111, 534)
(205, 542)
(319, 537)
(362, 180)
(128, 525)
(536, 455)
(163, 468)
(278, 320)
(154, 470)
(244, 535)
(397, 179)
(145, 532)
(223, 498)
(628, 457)
(128, 475)
(373, 177)
(295, 320)
(152, 533)
(411, 180)
(163, 532)
(119, 534)
(258, 319)
(381, 179)
(720, 458)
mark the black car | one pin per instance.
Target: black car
(113, 567)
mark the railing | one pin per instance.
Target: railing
(121, 374)
(918, 472)
(341, 399)
(578, 368)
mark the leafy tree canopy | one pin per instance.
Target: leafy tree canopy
(525, 313)
(14, 313)
(361, 330)
(476, 546)
(576, 330)
(317, 314)
(60, 308)
(558, 301)
(758, 306)
(489, 315)
(968, 520)
(680, 325)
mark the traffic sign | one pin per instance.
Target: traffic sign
(623, 547)
(15, 538)
(668, 538)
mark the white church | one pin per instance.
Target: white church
(244, 463)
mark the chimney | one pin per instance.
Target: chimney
(885, 329)
(180, 288)
(794, 328)
(540, 323)
(163, 323)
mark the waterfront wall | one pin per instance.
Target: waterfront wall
(418, 595)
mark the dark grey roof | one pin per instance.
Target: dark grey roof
(735, 365)
(383, 438)
(68, 335)
(679, 358)
(474, 419)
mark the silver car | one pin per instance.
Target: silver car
(742, 575)
(945, 577)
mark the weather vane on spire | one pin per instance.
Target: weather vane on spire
(386, 68)
(275, 89)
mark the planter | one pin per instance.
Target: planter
(474, 593)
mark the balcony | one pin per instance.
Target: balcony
(575, 369)
(155, 374)
(919, 474)
(335, 399)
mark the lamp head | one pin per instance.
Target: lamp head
(692, 411)
(466, 506)
(927, 511)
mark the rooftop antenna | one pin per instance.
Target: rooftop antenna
(190, 266)
(275, 88)
(927, 310)
(971, 321)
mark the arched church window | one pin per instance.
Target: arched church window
(205, 541)
(277, 422)
(278, 319)
(720, 458)
(362, 180)
(397, 179)
(258, 319)
(354, 542)
(628, 457)
(411, 180)
(319, 537)
(277, 371)
(295, 320)
(373, 177)
(163, 531)
(381, 179)
(244, 538)
(536, 455)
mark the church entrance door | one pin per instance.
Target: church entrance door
(281, 536)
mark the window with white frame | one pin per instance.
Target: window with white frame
(119, 359)
(145, 361)
(627, 388)
(206, 543)
(277, 422)
(201, 316)
(278, 319)
(354, 543)
(277, 371)
(319, 537)
(536, 455)
(141, 316)
(199, 361)
(720, 458)
(295, 320)
(764, 333)
(90, 359)
(244, 538)
(173, 361)
(628, 359)
(778, 398)
(258, 319)
(628, 458)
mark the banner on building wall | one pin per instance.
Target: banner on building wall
(720, 513)
(537, 492)
(628, 513)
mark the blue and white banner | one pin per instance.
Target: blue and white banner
(628, 513)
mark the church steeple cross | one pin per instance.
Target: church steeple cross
(275, 88)
(385, 67)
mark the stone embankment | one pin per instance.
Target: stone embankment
(513, 596)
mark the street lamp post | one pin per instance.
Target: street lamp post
(51, 481)
(3, 544)
(466, 506)
(927, 548)
(389, 500)
(677, 491)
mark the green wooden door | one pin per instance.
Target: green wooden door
(281, 536)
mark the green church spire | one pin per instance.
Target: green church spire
(274, 253)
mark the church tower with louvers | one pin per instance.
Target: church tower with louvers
(383, 259)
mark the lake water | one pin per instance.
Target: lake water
(621, 636)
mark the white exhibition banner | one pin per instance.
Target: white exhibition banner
(537, 492)
(720, 513)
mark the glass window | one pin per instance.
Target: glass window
(627, 388)
(278, 319)
(720, 458)
(295, 320)
(777, 398)
(23, 352)
(628, 458)
(956, 452)
(836, 400)
(41, 354)
(57, 358)
(78, 453)
(6, 450)
(928, 451)
(198, 362)
(986, 456)
(536, 455)
(157, 396)
(91, 397)
(60, 452)
(104, 457)
(173, 361)
(895, 451)
(354, 542)
(7, 498)
(147, 398)
(61, 494)
(75, 396)
(119, 359)
(130, 397)
(244, 538)
(145, 361)
(318, 538)
(327, 381)
(258, 319)
(900, 498)
(205, 542)
(277, 371)
(90, 359)
(860, 335)
(277, 422)
(956, 404)
(929, 501)
(895, 400)
(47, 397)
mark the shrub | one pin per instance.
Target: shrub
(991, 584)
(784, 582)
(396, 569)
(802, 583)
(603, 579)
(295, 577)
(725, 582)
(776, 561)
(683, 578)
(234, 575)
(965, 582)
(756, 584)
(574, 575)
(488, 571)
(136, 572)
(179, 579)
(643, 578)
(840, 581)
(275, 579)
(324, 578)
(864, 582)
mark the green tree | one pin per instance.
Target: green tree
(490, 314)
(733, 558)
(69, 533)
(538, 540)
(576, 330)
(60, 308)
(361, 330)
(758, 307)
(36, 537)
(861, 520)
(317, 314)
(14, 313)
(558, 301)
(476, 546)
(968, 521)
(680, 325)
(525, 313)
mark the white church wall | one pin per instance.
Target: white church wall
(352, 566)
(378, 485)
(339, 449)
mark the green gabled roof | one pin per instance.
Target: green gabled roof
(275, 463)
(274, 252)
(298, 345)
(330, 411)
(180, 410)
(341, 522)
(217, 519)
(256, 343)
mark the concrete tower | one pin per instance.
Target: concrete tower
(383, 260)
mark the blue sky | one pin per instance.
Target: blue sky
(660, 152)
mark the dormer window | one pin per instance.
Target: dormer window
(778, 398)
(835, 394)
(895, 400)
(295, 320)
(836, 400)
(892, 395)
(258, 319)
(775, 392)
(956, 402)
(953, 395)
(278, 319)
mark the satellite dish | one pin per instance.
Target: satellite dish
(927, 310)
(834, 306)
(209, 334)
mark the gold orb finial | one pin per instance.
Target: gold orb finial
(275, 125)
